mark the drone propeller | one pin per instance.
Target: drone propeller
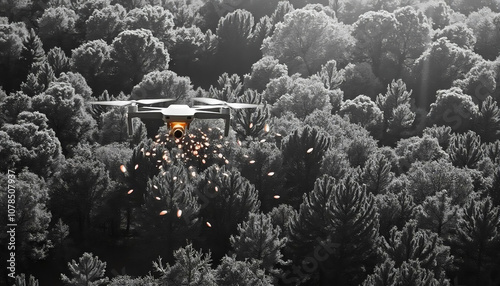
(215, 103)
(132, 102)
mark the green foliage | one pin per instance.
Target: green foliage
(360, 79)
(89, 270)
(441, 133)
(89, 60)
(38, 79)
(485, 23)
(154, 18)
(58, 61)
(78, 82)
(191, 268)
(376, 174)
(465, 150)
(395, 209)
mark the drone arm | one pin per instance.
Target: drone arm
(224, 114)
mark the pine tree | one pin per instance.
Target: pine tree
(259, 240)
(89, 271)
(348, 234)
(58, 61)
(244, 273)
(413, 244)
(226, 200)
(377, 174)
(492, 150)
(441, 133)
(438, 214)
(465, 150)
(487, 124)
(21, 280)
(303, 151)
(477, 239)
(250, 122)
(170, 210)
(494, 189)
(191, 268)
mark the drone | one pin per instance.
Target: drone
(178, 117)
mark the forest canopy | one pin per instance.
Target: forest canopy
(373, 157)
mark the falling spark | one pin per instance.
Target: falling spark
(251, 125)
(163, 212)
(270, 174)
(203, 161)
(239, 143)
(251, 161)
(148, 153)
(174, 178)
(310, 150)
(157, 198)
(193, 174)
(266, 127)
(276, 196)
(278, 135)
(220, 155)
(263, 140)
(216, 188)
(131, 191)
(156, 187)
(123, 169)
(179, 213)
(136, 166)
(226, 161)
(208, 224)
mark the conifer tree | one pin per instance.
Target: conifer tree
(38, 79)
(487, 124)
(191, 268)
(465, 150)
(21, 280)
(477, 238)
(438, 214)
(377, 174)
(226, 200)
(441, 133)
(58, 61)
(413, 244)
(89, 271)
(303, 151)
(348, 235)
(395, 209)
(170, 209)
(250, 122)
(259, 240)
(245, 273)
(494, 189)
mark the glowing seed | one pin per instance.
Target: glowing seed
(270, 174)
(131, 191)
(163, 212)
(278, 135)
(266, 127)
(179, 146)
(148, 153)
(277, 197)
(220, 155)
(156, 187)
(208, 224)
(123, 169)
(251, 161)
(263, 140)
(193, 174)
(203, 161)
(157, 136)
(251, 125)
(216, 188)
(174, 178)
(179, 213)
(136, 166)
(310, 150)
(157, 198)
(226, 161)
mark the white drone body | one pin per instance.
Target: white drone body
(178, 117)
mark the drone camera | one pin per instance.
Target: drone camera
(178, 129)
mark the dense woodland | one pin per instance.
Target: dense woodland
(373, 159)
